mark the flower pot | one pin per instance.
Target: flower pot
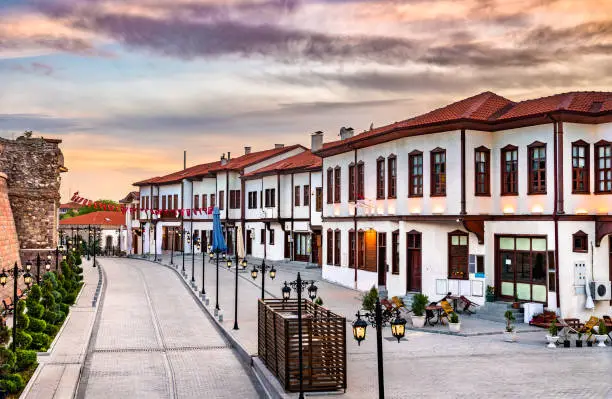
(552, 341)
(490, 297)
(601, 340)
(589, 344)
(566, 343)
(454, 327)
(509, 336)
(579, 343)
(418, 321)
(516, 305)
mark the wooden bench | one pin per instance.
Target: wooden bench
(20, 294)
(9, 306)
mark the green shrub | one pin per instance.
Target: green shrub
(51, 330)
(35, 294)
(453, 318)
(11, 383)
(23, 321)
(419, 301)
(25, 359)
(602, 330)
(35, 310)
(70, 298)
(23, 339)
(4, 334)
(62, 293)
(51, 317)
(318, 301)
(64, 308)
(37, 325)
(369, 300)
(40, 341)
(7, 360)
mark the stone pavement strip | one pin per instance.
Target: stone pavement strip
(57, 375)
(153, 340)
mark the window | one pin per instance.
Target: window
(438, 172)
(352, 244)
(170, 202)
(156, 202)
(337, 248)
(480, 269)
(537, 168)
(163, 202)
(252, 200)
(351, 180)
(415, 174)
(262, 236)
(458, 255)
(330, 247)
(360, 181)
(296, 196)
(306, 195)
(361, 250)
(330, 186)
(176, 202)
(271, 237)
(337, 185)
(196, 202)
(380, 178)
(319, 199)
(509, 170)
(580, 168)
(603, 167)
(270, 197)
(482, 172)
(392, 183)
(221, 200)
(204, 201)
(234, 199)
(395, 252)
(580, 241)
(213, 200)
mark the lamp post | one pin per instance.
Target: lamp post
(57, 253)
(183, 249)
(298, 285)
(378, 319)
(38, 268)
(211, 256)
(27, 278)
(263, 269)
(236, 281)
(172, 246)
(88, 242)
(192, 244)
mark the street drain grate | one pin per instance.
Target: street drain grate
(177, 349)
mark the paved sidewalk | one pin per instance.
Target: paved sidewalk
(480, 366)
(57, 375)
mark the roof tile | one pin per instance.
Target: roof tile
(304, 161)
(100, 218)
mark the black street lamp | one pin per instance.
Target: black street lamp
(38, 268)
(298, 285)
(378, 320)
(172, 246)
(236, 281)
(88, 242)
(27, 278)
(263, 269)
(192, 245)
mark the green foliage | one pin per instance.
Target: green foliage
(70, 298)
(51, 278)
(35, 294)
(35, 309)
(603, 330)
(4, 334)
(23, 320)
(509, 316)
(11, 383)
(553, 330)
(64, 308)
(37, 325)
(369, 299)
(51, 317)
(51, 330)
(40, 341)
(318, 301)
(25, 359)
(7, 361)
(23, 339)
(453, 318)
(419, 301)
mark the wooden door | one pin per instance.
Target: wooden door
(287, 245)
(413, 261)
(317, 249)
(370, 250)
(382, 258)
(249, 243)
(135, 239)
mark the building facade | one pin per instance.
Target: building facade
(483, 192)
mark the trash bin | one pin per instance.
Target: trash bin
(531, 309)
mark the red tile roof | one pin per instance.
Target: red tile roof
(305, 161)
(132, 195)
(100, 218)
(71, 205)
(246, 160)
(194, 171)
(491, 108)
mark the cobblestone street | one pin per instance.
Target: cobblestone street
(152, 340)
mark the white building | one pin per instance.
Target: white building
(133, 242)
(110, 225)
(199, 188)
(483, 192)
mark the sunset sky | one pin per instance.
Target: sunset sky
(129, 84)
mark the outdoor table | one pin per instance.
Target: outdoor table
(454, 298)
(433, 309)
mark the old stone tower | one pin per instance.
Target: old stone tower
(30, 182)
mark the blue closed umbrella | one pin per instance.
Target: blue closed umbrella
(218, 244)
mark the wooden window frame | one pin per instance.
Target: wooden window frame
(163, 207)
(234, 199)
(306, 198)
(598, 169)
(262, 236)
(330, 186)
(176, 202)
(213, 200)
(466, 272)
(196, 201)
(352, 182)
(435, 189)
(330, 247)
(380, 178)
(352, 236)
(360, 170)
(319, 199)
(360, 249)
(271, 235)
(486, 174)
(392, 176)
(204, 201)
(535, 185)
(297, 196)
(586, 170)
(411, 175)
(504, 173)
(584, 238)
(221, 200)
(395, 252)
(337, 184)
(337, 247)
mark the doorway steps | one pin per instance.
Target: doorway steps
(494, 311)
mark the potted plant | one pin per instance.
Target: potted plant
(516, 304)
(553, 334)
(509, 334)
(454, 325)
(490, 296)
(601, 335)
(579, 340)
(419, 301)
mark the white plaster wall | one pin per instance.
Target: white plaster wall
(584, 203)
(474, 139)
(206, 187)
(257, 248)
(270, 182)
(256, 186)
(301, 180)
(286, 196)
(316, 181)
(222, 186)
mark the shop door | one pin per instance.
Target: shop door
(249, 242)
(522, 266)
(316, 249)
(287, 245)
(301, 247)
(165, 238)
(413, 261)
(135, 239)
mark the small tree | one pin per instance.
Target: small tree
(509, 316)
(369, 300)
(419, 302)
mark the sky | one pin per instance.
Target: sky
(128, 85)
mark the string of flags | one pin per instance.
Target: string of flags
(124, 209)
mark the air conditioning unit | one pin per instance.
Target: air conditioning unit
(601, 290)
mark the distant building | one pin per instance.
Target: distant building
(113, 235)
(69, 206)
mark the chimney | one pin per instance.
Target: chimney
(279, 145)
(247, 150)
(228, 156)
(346, 133)
(223, 160)
(316, 141)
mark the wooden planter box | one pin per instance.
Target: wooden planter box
(323, 345)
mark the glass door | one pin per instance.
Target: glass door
(522, 268)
